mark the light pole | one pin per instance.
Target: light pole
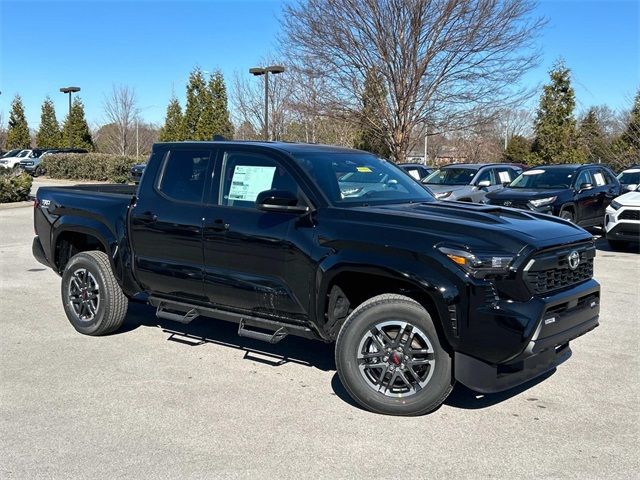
(257, 71)
(70, 90)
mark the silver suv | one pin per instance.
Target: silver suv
(470, 182)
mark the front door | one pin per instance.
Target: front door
(585, 200)
(246, 249)
(166, 224)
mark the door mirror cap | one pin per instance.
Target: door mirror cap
(281, 201)
(585, 186)
(484, 184)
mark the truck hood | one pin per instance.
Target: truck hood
(631, 199)
(524, 194)
(488, 227)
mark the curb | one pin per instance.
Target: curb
(9, 206)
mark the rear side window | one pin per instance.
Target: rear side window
(505, 174)
(184, 174)
(246, 174)
(598, 177)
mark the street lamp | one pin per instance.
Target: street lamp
(70, 90)
(257, 71)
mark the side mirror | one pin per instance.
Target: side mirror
(633, 187)
(281, 201)
(484, 184)
(585, 186)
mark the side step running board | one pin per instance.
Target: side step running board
(187, 317)
(274, 337)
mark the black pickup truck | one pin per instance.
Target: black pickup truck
(331, 244)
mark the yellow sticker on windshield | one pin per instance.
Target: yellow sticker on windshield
(364, 169)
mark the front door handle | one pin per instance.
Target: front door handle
(219, 225)
(147, 217)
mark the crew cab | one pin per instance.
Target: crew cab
(416, 294)
(579, 193)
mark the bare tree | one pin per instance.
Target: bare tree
(121, 111)
(438, 58)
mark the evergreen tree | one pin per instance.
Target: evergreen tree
(77, 124)
(371, 135)
(18, 133)
(206, 122)
(221, 124)
(592, 137)
(49, 134)
(172, 130)
(631, 136)
(518, 149)
(555, 126)
(195, 89)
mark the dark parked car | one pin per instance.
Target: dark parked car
(578, 193)
(470, 182)
(415, 293)
(417, 170)
(136, 172)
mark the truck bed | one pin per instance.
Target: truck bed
(103, 188)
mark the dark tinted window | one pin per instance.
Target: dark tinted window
(630, 176)
(184, 174)
(543, 177)
(246, 174)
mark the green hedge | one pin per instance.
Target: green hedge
(14, 186)
(88, 166)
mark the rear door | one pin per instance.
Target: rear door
(249, 260)
(166, 224)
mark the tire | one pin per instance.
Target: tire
(91, 296)
(567, 215)
(387, 313)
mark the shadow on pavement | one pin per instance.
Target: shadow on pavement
(296, 350)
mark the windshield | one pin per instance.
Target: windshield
(361, 179)
(451, 176)
(11, 153)
(24, 153)
(629, 177)
(544, 178)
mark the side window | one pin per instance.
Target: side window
(598, 177)
(583, 177)
(246, 174)
(504, 175)
(183, 175)
(485, 175)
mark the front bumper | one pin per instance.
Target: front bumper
(617, 227)
(559, 318)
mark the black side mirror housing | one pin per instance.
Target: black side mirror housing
(281, 201)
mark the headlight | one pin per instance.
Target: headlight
(541, 202)
(441, 195)
(615, 205)
(478, 265)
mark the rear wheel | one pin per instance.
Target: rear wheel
(92, 298)
(389, 357)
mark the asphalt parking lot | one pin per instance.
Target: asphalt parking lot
(164, 400)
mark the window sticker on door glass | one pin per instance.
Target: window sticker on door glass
(364, 169)
(599, 178)
(415, 174)
(504, 177)
(249, 181)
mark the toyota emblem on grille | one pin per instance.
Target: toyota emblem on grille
(507, 203)
(574, 260)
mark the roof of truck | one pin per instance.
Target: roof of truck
(289, 147)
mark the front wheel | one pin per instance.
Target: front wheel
(389, 357)
(567, 215)
(92, 298)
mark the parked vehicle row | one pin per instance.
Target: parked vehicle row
(32, 165)
(622, 220)
(332, 244)
(30, 159)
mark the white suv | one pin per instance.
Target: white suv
(622, 220)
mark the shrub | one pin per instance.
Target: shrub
(14, 186)
(88, 166)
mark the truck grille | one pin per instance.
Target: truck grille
(630, 215)
(549, 270)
